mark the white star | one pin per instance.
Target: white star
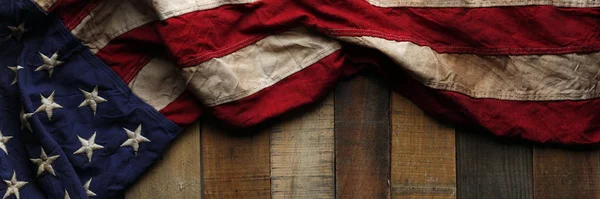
(15, 69)
(86, 186)
(17, 32)
(45, 163)
(24, 120)
(3, 140)
(91, 99)
(13, 186)
(88, 146)
(49, 63)
(67, 195)
(135, 138)
(48, 105)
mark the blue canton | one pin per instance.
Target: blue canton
(69, 127)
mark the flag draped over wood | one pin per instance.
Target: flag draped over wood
(99, 88)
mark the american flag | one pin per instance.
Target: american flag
(92, 92)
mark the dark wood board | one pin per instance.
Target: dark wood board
(492, 167)
(362, 139)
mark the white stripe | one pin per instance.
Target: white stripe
(109, 20)
(255, 67)
(45, 4)
(483, 3)
(171, 8)
(159, 83)
(526, 77)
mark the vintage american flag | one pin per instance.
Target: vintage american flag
(92, 92)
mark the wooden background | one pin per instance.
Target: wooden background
(364, 142)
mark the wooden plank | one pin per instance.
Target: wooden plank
(362, 134)
(491, 167)
(423, 154)
(235, 164)
(177, 175)
(302, 154)
(562, 173)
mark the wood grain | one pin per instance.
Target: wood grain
(561, 173)
(302, 156)
(362, 139)
(423, 154)
(177, 175)
(235, 166)
(490, 167)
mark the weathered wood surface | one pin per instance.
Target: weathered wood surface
(302, 155)
(488, 167)
(561, 173)
(177, 174)
(362, 139)
(235, 166)
(363, 143)
(423, 154)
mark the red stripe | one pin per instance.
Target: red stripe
(567, 122)
(198, 36)
(184, 110)
(494, 31)
(294, 91)
(72, 12)
(130, 52)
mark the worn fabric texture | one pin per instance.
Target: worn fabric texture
(92, 92)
